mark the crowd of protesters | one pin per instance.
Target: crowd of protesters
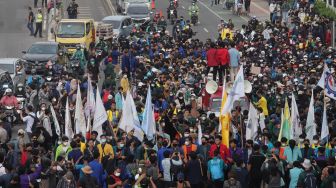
(285, 55)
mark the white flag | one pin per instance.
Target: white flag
(327, 82)
(80, 124)
(138, 133)
(57, 127)
(100, 115)
(252, 123)
(325, 128)
(200, 134)
(90, 100)
(148, 122)
(67, 126)
(236, 92)
(129, 117)
(296, 129)
(310, 124)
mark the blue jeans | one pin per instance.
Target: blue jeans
(30, 26)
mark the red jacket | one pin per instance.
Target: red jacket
(223, 150)
(223, 56)
(211, 57)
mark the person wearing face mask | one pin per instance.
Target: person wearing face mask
(282, 148)
(307, 151)
(105, 150)
(316, 144)
(301, 140)
(188, 147)
(223, 150)
(204, 148)
(63, 149)
(9, 99)
(292, 152)
(114, 180)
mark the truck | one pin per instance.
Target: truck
(73, 32)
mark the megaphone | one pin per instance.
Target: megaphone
(247, 86)
(211, 87)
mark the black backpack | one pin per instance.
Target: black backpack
(175, 169)
(310, 180)
(36, 122)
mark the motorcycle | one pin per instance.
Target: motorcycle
(10, 112)
(172, 17)
(76, 68)
(194, 17)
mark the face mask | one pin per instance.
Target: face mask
(315, 141)
(283, 144)
(301, 140)
(65, 143)
(181, 98)
(203, 118)
(121, 145)
(186, 142)
(103, 140)
(186, 135)
(43, 108)
(117, 174)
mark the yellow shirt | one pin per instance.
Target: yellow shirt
(226, 31)
(124, 84)
(82, 146)
(108, 150)
(262, 103)
(110, 115)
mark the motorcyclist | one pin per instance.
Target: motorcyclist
(171, 7)
(102, 45)
(9, 99)
(188, 32)
(162, 22)
(20, 90)
(193, 8)
(182, 23)
(253, 23)
(79, 55)
(151, 28)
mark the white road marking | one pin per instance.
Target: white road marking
(213, 12)
(259, 7)
(111, 7)
(183, 7)
(205, 29)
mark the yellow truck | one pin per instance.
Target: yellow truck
(71, 32)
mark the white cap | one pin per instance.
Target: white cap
(8, 90)
(306, 164)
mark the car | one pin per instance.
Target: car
(5, 81)
(122, 5)
(15, 67)
(12, 65)
(122, 25)
(39, 54)
(139, 13)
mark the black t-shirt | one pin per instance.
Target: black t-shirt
(256, 160)
(31, 15)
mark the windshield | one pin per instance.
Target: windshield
(137, 10)
(114, 23)
(71, 30)
(7, 67)
(42, 49)
(216, 104)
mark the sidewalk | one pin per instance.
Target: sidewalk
(260, 9)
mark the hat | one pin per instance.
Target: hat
(21, 131)
(87, 170)
(306, 164)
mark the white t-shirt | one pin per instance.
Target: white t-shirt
(29, 121)
(2, 169)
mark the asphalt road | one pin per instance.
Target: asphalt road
(209, 17)
(14, 34)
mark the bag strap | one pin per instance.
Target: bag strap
(201, 167)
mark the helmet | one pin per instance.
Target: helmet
(8, 90)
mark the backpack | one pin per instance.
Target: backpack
(310, 180)
(174, 170)
(35, 123)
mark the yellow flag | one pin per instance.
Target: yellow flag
(224, 120)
